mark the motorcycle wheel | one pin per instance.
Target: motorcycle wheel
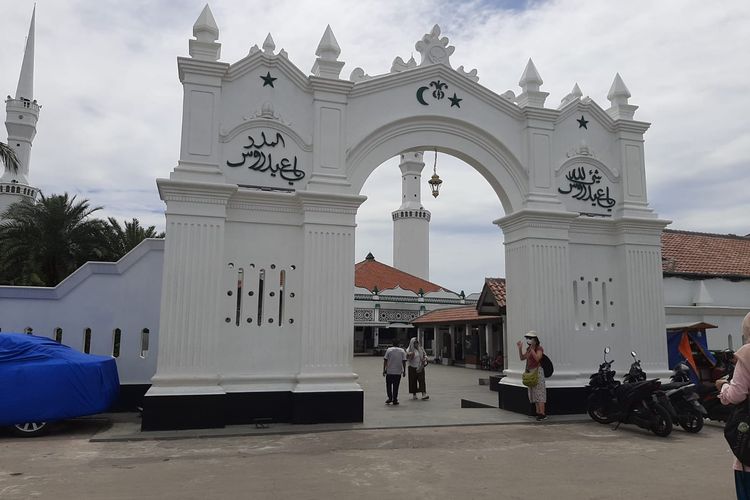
(662, 426)
(30, 429)
(597, 412)
(692, 422)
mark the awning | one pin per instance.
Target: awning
(400, 325)
(699, 325)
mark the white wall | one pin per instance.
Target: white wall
(101, 296)
(721, 302)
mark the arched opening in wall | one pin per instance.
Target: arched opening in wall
(144, 342)
(116, 339)
(448, 244)
(58, 335)
(87, 340)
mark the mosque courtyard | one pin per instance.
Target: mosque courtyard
(430, 449)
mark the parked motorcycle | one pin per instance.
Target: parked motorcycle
(685, 407)
(641, 402)
(709, 395)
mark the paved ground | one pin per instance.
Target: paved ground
(555, 459)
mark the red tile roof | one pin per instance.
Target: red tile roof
(497, 287)
(370, 274)
(466, 314)
(704, 254)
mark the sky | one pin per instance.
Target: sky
(106, 77)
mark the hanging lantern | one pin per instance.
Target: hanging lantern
(435, 181)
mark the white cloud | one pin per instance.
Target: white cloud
(106, 77)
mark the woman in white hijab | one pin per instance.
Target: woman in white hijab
(417, 360)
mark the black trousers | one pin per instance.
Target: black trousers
(391, 386)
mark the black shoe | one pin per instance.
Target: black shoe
(541, 417)
(395, 403)
(388, 401)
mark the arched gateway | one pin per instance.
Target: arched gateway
(256, 312)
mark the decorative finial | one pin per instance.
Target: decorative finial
(530, 80)
(206, 32)
(618, 95)
(327, 64)
(268, 45)
(205, 28)
(434, 50)
(370, 256)
(530, 83)
(574, 94)
(328, 48)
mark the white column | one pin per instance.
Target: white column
(327, 299)
(452, 332)
(539, 287)
(488, 341)
(190, 318)
(642, 272)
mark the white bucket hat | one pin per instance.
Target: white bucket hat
(531, 334)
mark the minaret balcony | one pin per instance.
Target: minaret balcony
(18, 189)
(411, 214)
(22, 105)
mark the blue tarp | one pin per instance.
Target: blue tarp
(42, 381)
(679, 348)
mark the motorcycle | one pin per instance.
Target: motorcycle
(688, 411)
(640, 402)
(709, 395)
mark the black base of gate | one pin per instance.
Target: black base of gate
(560, 400)
(213, 411)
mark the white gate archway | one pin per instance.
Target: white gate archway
(256, 314)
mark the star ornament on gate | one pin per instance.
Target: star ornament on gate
(455, 101)
(268, 80)
(582, 123)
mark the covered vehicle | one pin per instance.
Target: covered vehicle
(687, 343)
(43, 381)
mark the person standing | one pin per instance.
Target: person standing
(394, 367)
(533, 358)
(417, 358)
(734, 392)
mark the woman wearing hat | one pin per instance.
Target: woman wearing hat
(533, 358)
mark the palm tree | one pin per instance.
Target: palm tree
(43, 241)
(121, 239)
(8, 156)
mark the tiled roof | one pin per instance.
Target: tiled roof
(704, 254)
(467, 314)
(497, 287)
(370, 274)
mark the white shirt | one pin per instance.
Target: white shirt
(416, 360)
(394, 357)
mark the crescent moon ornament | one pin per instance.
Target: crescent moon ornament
(420, 96)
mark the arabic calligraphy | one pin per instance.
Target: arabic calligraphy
(263, 161)
(583, 186)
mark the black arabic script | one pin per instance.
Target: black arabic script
(262, 161)
(584, 186)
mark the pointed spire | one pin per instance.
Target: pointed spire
(328, 48)
(529, 83)
(206, 32)
(268, 45)
(327, 64)
(530, 80)
(618, 95)
(205, 28)
(574, 94)
(25, 89)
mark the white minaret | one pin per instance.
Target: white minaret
(411, 222)
(22, 112)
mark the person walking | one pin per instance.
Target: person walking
(734, 392)
(533, 358)
(394, 367)
(417, 358)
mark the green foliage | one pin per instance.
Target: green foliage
(8, 156)
(42, 242)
